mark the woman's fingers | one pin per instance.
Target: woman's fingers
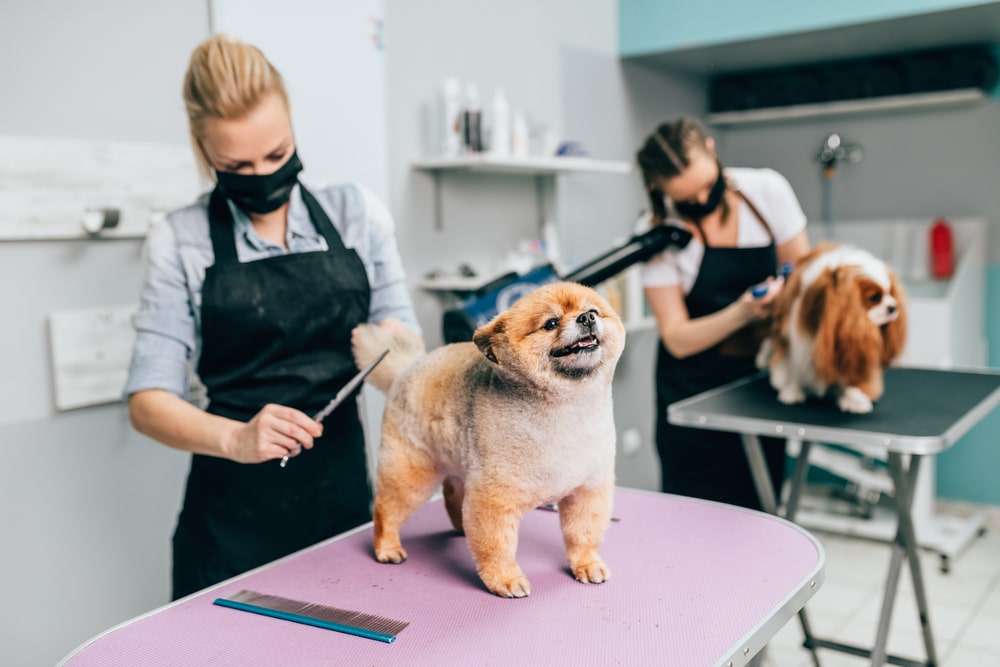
(278, 431)
(292, 423)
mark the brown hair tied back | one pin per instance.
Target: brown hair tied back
(665, 154)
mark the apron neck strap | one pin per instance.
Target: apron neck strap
(220, 224)
(756, 212)
(321, 220)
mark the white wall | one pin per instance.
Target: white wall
(335, 76)
(86, 505)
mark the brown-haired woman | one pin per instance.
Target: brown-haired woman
(746, 223)
(257, 285)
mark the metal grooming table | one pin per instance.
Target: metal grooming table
(693, 583)
(922, 413)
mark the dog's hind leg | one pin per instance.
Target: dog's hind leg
(406, 479)
(454, 493)
(584, 516)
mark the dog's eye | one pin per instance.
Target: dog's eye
(874, 298)
(551, 324)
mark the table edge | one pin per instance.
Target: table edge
(919, 445)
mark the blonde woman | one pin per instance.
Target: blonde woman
(258, 285)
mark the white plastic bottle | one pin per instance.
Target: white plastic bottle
(500, 129)
(451, 117)
(519, 135)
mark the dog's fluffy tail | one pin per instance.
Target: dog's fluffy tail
(370, 340)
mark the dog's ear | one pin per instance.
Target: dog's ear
(484, 338)
(894, 333)
(813, 304)
(846, 348)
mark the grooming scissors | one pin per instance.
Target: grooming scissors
(344, 392)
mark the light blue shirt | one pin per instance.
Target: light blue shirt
(178, 250)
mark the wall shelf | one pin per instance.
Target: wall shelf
(531, 166)
(452, 284)
(888, 103)
(543, 169)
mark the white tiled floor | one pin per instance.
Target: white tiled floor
(964, 604)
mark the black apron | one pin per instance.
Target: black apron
(275, 330)
(711, 464)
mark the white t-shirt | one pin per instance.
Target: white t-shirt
(770, 193)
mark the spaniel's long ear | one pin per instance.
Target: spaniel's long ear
(848, 346)
(894, 333)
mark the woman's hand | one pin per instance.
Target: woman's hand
(274, 432)
(760, 307)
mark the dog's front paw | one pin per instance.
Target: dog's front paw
(396, 554)
(854, 400)
(594, 572)
(791, 395)
(516, 586)
(764, 354)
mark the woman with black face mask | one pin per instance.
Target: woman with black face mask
(257, 287)
(746, 223)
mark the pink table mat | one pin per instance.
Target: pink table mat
(692, 583)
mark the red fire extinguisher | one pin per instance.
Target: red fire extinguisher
(942, 250)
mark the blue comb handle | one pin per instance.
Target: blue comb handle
(758, 291)
(306, 620)
(786, 268)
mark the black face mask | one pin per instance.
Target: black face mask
(694, 211)
(261, 194)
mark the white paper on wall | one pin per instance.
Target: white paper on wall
(47, 184)
(91, 349)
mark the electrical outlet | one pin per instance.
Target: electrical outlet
(630, 441)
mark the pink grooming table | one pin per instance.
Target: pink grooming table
(693, 583)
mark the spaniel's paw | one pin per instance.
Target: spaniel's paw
(791, 395)
(854, 400)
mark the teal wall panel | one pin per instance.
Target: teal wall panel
(649, 26)
(968, 471)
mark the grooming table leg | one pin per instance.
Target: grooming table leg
(758, 470)
(791, 507)
(765, 491)
(798, 480)
(904, 481)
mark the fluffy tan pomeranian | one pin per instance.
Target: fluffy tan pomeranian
(518, 418)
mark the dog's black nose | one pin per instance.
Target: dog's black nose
(891, 309)
(588, 318)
